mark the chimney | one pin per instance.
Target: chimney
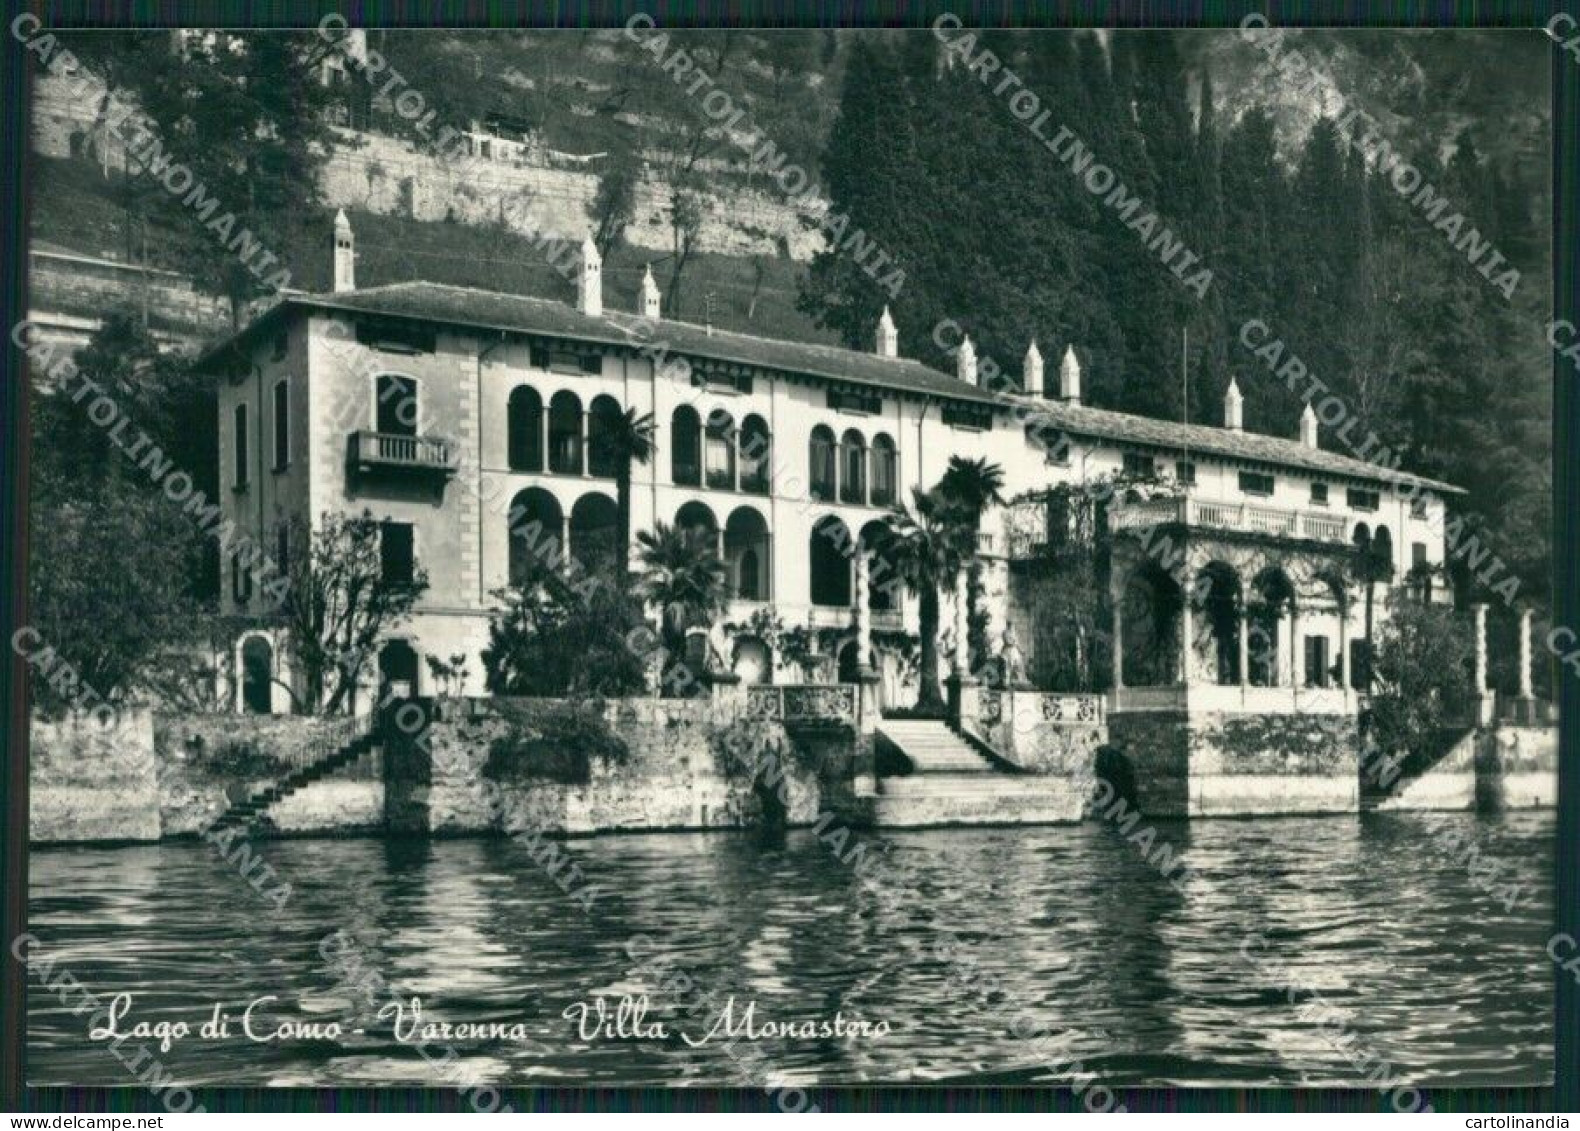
(966, 362)
(1070, 376)
(345, 255)
(650, 296)
(589, 285)
(1233, 406)
(1031, 371)
(1308, 427)
(888, 336)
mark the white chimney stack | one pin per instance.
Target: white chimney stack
(345, 254)
(650, 296)
(1070, 376)
(1233, 407)
(589, 286)
(1031, 371)
(966, 362)
(1308, 427)
(888, 336)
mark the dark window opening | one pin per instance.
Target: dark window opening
(1256, 483)
(397, 553)
(239, 474)
(282, 425)
(397, 407)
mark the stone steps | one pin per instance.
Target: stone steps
(933, 748)
(955, 785)
(975, 799)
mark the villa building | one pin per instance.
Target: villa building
(462, 418)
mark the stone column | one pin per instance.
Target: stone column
(1294, 650)
(863, 615)
(1526, 691)
(1479, 684)
(1525, 705)
(1118, 643)
(1187, 633)
(565, 540)
(962, 686)
(962, 627)
(1344, 650)
(1243, 622)
(1483, 696)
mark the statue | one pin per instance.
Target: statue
(1012, 658)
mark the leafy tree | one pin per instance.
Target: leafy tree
(614, 204)
(245, 112)
(547, 641)
(110, 569)
(339, 605)
(1420, 677)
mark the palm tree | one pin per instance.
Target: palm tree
(924, 545)
(973, 485)
(1372, 562)
(684, 578)
(627, 441)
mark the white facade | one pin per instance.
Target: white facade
(459, 509)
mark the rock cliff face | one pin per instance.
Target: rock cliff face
(578, 99)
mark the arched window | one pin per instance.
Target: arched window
(565, 434)
(720, 453)
(1382, 547)
(524, 429)
(595, 529)
(697, 518)
(257, 675)
(756, 455)
(602, 420)
(853, 468)
(395, 412)
(536, 524)
(884, 583)
(685, 447)
(746, 553)
(885, 471)
(823, 478)
(830, 559)
(398, 669)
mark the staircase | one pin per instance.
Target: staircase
(933, 747)
(955, 782)
(247, 814)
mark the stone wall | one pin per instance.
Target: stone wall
(1518, 766)
(1043, 732)
(207, 763)
(93, 778)
(673, 776)
(1201, 764)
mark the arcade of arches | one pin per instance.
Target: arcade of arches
(1233, 616)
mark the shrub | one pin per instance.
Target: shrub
(555, 743)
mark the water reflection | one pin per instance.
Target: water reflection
(1070, 926)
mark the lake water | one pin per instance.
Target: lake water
(1146, 981)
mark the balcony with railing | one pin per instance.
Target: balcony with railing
(1245, 518)
(373, 451)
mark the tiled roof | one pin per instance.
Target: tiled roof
(1084, 420)
(490, 310)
